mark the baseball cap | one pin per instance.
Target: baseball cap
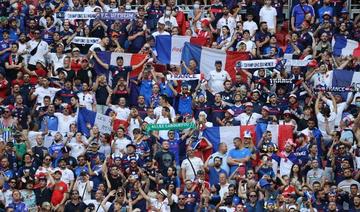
(293, 95)
(249, 104)
(205, 22)
(76, 49)
(266, 108)
(230, 111)
(287, 112)
(247, 134)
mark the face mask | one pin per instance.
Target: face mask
(168, 12)
(196, 6)
(357, 104)
(127, 7)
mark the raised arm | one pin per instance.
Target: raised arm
(104, 65)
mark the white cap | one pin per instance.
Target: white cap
(247, 134)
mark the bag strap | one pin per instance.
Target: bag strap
(247, 123)
(82, 196)
(192, 167)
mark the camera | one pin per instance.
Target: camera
(91, 206)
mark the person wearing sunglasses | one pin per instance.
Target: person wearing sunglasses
(75, 203)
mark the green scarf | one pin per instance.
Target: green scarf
(172, 126)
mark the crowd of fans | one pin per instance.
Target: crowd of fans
(47, 164)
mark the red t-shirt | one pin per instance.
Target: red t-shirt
(3, 88)
(60, 188)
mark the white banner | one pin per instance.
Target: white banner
(101, 16)
(103, 123)
(79, 15)
(250, 64)
(293, 62)
(85, 40)
(183, 77)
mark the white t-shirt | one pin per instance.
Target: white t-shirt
(154, 34)
(340, 109)
(121, 113)
(169, 21)
(322, 126)
(163, 133)
(76, 149)
(42, 49)
(251, 26)
(82, 188)
(97, 45)
(158, 109)
(87, 100)
(160, 206)
(120, 144)
(268, 14)
(197, 164)
(58, 62)
(246, 119)
(66, 175)
(250, 45)
(230, 22)
(64, 122)
(217, 79)
(41, 92)
(322, 79)
(98, 207)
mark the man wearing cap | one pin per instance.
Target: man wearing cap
(118, 71)
(160, 29)
(217, 78)
(248, 117)
(60, 190)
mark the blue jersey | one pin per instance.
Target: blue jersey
(238, 154)
(56, 148)
(142, 148)
(145, 90)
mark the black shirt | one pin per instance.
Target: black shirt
(71, 207)
(42, 195)
(175, 208)
(101, 95)
(164, 160)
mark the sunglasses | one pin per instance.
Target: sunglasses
(12, 182)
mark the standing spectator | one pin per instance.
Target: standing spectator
(38, 49)
(191, 164)
(217, 78)
(299, 13)
(268, 14)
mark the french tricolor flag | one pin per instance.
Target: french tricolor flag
(206, 57)
(110, 58)
(345, 47)
(169, 48)
(226, 134)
